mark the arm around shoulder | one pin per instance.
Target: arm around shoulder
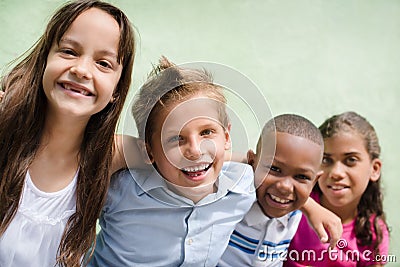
(323, 222)
(128, 153)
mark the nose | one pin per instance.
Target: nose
(82, 69)
(337, 171)
(285, 185)
(192, 149)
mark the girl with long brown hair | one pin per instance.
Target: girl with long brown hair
(58, 117)
(350, 187)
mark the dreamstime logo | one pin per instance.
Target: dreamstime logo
(343, 253)
(342, 243)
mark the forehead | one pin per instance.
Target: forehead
(349, 141)
(96, 26)
(295, 152)
(177, 115)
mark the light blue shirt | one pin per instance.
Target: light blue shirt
(145, 224)
(260, 241)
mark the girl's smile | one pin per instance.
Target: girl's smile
(82, 73)
(347, 171)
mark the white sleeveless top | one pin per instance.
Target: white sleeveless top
(33, 236)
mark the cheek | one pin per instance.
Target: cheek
(303, 192)
(259, 178)
(115, 82)
(363, 181)
(323, 178)
(48, 77)
(264, 182)
(169, 157)
(107, 83)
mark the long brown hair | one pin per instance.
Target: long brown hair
(371, 202)
(22, 122)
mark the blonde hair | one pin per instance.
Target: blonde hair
(168, 84)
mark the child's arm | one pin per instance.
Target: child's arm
(323, 220)
(127, 153)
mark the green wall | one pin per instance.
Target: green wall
(314, 58)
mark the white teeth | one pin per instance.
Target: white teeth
(81, 91)
(200, 167)
(280, 200)
(337, 187)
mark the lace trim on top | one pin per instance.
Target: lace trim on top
(37, 216)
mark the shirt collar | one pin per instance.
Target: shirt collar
(228, 181)
(150, 181)
(256, 216)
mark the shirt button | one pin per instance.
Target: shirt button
(190, 241)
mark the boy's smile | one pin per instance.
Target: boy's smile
(197, 173)
(189, 143)
(286, 178)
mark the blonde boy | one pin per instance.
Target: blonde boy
(182, 211)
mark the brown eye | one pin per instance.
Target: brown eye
(67, 51)
(105, 64)
(274, 169)
(351, 161)
(326, 161)
(302, 177)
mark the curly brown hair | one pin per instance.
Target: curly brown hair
(22, 124)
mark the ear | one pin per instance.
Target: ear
(251, 158)
(145, 150)
(114, 98)
(228, 143)
(319, 174)
(376, 166)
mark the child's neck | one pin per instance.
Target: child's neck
(57, 158)
(193, 193)
(346, 213)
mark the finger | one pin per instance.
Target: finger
(335, 233)
(322, 234)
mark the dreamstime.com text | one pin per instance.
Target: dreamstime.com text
(310, 255)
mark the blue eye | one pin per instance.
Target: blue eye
(175, 138)
(206, 132)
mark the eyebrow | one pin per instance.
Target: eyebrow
(346, 154)
(299, 169)
(76, 43)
